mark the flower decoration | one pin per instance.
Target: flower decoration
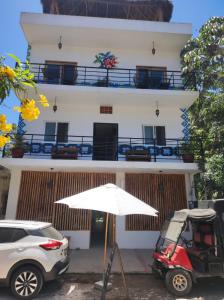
(29, 111)
(43, 101)
(18, 80)
(4, 131)
(106, 60)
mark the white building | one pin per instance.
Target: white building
(104, 113)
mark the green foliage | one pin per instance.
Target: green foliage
(18, 79)
(18, 141)
(204, 56)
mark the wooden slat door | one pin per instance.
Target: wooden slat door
(39, 191)
(166, 193)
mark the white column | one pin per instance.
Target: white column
(120, 220)
(189, 183)
(13, 194)
(120, 179)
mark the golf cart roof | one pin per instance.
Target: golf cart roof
(173, 228)
(195, 214)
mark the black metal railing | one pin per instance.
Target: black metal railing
(140, 78)
(90, 148)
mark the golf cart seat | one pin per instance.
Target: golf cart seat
(203, 241)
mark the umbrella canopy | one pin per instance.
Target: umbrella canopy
(109, 198)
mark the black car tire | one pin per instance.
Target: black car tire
(26, 282)
(178, 282)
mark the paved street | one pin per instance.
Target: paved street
(141, 287)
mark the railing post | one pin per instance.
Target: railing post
(31, 142)
(178, 150)
(81, 146)
(38, 77)
(85, 76)
(107, 78)
(154, 149)
(129, 77)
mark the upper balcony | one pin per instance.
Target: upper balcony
(139, 78)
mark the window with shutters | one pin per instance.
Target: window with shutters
(154, 133)
(56, 132)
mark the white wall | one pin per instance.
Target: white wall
(78, 239)
(85, 56)
(134, 239)
(129, 118)
(13, 196)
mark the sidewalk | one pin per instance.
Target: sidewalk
(91, 261)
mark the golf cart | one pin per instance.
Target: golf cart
(191, 246)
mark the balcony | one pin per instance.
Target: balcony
(139, 78)
(109, 149)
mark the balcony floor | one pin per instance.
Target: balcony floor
(173, 167)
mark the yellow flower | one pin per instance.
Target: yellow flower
(5, 127)
(43, 101)
(4, 140)
(2, 119)
(7, 71)
(29, 110)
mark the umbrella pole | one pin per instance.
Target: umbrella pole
(105, 243)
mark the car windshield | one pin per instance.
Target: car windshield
(169, 234)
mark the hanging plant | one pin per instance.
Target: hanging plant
(106, 60)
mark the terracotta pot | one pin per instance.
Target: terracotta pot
(188, 157)
(18, 152)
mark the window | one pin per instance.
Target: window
(61, 72)
(49, 232)
(154, 132)
(10, 235)
(56, 131)
(150, 77)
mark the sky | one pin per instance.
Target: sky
(12, 39)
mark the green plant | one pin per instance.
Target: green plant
(185, 148)
(18, 141)
(186, 151)
(102, 82)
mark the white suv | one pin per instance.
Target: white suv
(30, 253)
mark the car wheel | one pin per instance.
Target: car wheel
(26, 282)
(178, 282)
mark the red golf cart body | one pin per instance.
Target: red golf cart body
(191, 245)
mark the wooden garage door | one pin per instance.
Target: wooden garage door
(165, 193)
(39, 191)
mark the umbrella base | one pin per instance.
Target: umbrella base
(99, 285)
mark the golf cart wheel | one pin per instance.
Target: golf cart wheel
(26, 282)
(178, 282)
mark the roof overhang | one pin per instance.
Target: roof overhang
(106, 33)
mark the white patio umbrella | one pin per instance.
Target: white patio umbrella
(109, 198)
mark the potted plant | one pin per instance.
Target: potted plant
(186, 152)
(19, 146)
(102, 82)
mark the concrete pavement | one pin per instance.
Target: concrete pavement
(141, 287)
(91, 261)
